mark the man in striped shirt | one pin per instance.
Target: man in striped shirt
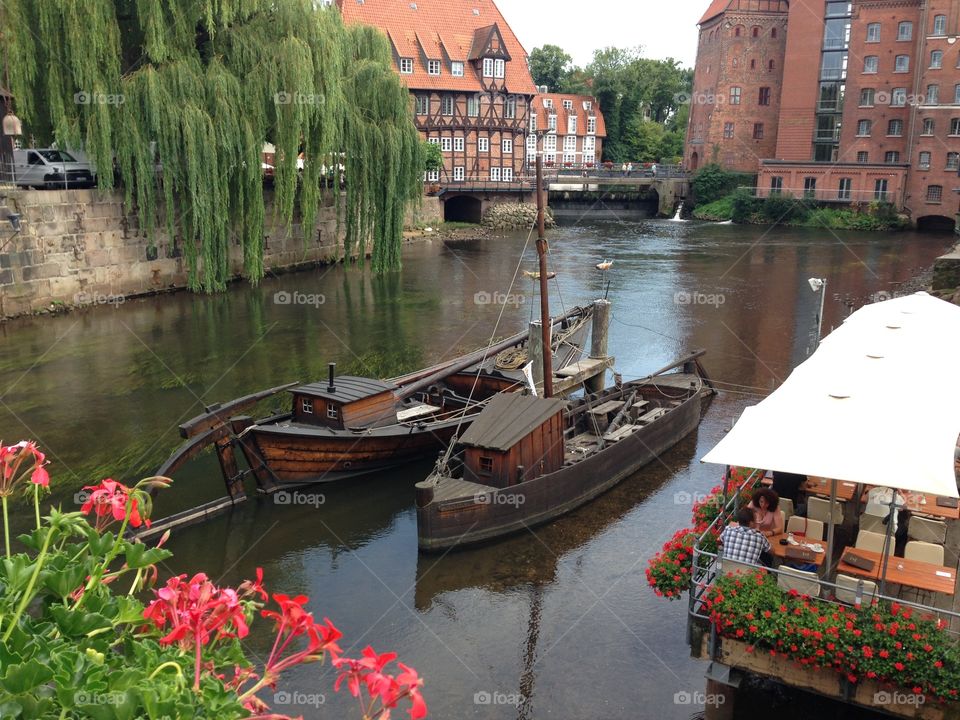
(741, 541)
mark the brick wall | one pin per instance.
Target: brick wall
(80, 246)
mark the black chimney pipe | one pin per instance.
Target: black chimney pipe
(330, 386)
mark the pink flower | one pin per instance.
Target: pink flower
(369, 672)
(108, 502)
(11, 459)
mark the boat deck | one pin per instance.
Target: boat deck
(456, 489)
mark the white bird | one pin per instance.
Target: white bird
(536, 276)
(605, 265)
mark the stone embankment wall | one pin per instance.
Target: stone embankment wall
(81, 247)
(507, 216)
(946, 276)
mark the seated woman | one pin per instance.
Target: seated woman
(765, 505)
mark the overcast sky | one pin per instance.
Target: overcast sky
(664, 29)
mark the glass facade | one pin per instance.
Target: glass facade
(833, 77)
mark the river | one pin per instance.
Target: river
(558, 623)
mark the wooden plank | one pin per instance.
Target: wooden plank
(620, 433)
(564, 385)
(416, 412)
(655, 414)
(607, 407)
(914, 573)
(589, 365)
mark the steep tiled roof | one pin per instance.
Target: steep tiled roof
(716, 7)
(445, 30)
(562, 113)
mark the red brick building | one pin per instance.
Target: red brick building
(870, 108)
(735, 105)
(469, 81)
(577, 129)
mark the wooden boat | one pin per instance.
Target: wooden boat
(526, 460)
(351, 426)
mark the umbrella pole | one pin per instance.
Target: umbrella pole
(833, 499)
(886, 541)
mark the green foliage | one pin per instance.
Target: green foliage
(783, 208)
(744, 206)
(712, 182)
(719, 210)
(550, 66)
(194, 89)
(432, 156)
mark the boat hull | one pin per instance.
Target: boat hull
(457, 522)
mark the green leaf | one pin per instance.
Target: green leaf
(139, 555)
(75, 624)
(63, 582)
(25, 676)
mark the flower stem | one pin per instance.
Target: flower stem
(36, 504)
(28, 593)
(168, 663)
(6, 526)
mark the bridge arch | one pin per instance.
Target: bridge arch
(463, 208)
(936, 223)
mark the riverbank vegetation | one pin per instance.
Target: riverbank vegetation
(82, 634)
(174, 102)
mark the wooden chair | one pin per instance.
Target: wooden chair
(813, 529)
(872, 523)
(786, 507)
(846, 591)
(819, 509)
(924, 552)
(805, 583)
(872, 541)
(931, 531)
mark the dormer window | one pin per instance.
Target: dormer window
(307, 406)
(552, 122)
(488, 67)
(499, 68)
(456, 69)
(572, 124)
(587, 105)
(547, 103)
(591, 126)
(406, 66)
(568, 104)
(332, 412)
(433, 67)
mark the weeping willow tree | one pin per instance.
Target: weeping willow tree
(178, 96)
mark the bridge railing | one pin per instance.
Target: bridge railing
(825, 195)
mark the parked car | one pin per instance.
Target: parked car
(51, 168)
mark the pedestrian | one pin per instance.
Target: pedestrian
(629, 169)
(654, 169)
(623, 169)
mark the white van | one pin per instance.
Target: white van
(50, 168)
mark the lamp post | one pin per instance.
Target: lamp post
(819, 285)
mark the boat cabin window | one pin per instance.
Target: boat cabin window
(332, 412)
(486, 464)
(307, 406)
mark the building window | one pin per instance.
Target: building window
(758, 131)
(866, 97)
(756, 31)
(433, 176)
(569, 143)
(873, 32)
(891, 157)
(591, 126)
(568, 104)
(531, 145)
(728, 130)
(499, 68)
(933, 95)
(473, 106)
(734, 95)
(446, 144)
(488, 67)
(456, 69)
(753, 63)
(510, 108)
(547, 102)
(552, 122)
(569, 158)
(863, 128)
(332, 412)
(776, 185)
(459, 173)
(880, 189)
(863, 157)
(901, 64)
(495, 174)
(589, 144)
(458, 144)
(934, 193)
(905, 31)
(773, 34)
(927, 126)
(895, 128)
(924, 161)
(483, 144)
(810, 187)
(423, 104)
(550, 142)
(406, 66)
(433, 141)
(771, 65)
(735, 62)
(736, 31)
(506, 146)
(843, 191)
(956, 94)
(588, 105)
(447, 105)
(550, 158)
(306, 405)
(433, 67)
(533, 122)
(898, 98)
(764, 98)
(955, 126)
(953, 160)
(870, 64)
(572, 124)
(486, 464)
(508, 174)
(936, 59)
(940, 25)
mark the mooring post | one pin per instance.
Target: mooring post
(598, 343)
(719, 701)
(535, 352)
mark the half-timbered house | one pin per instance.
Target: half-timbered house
(575, 128)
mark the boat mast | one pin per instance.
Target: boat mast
(544, 304)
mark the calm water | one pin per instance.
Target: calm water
(559, 623)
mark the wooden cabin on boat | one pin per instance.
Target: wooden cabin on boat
(345, 403)
(515, 438)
